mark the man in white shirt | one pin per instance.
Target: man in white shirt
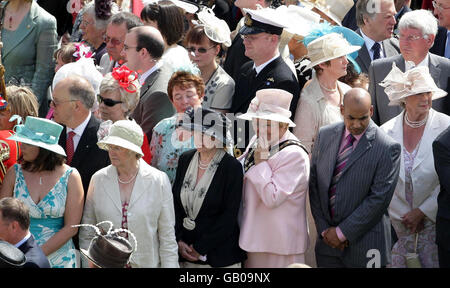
(417, 31)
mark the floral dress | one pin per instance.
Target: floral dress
(166, 148)
(47, 217)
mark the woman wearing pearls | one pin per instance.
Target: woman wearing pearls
(414, 205)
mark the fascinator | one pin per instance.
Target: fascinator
(216, 29)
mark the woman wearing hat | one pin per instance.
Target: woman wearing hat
(119, 95)
(203, 42)
(132, 195)
(51, 189)
(207, 193)
(321, 97)
(185, 89)
(413, 207)
(273, 226)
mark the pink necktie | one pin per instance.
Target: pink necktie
(69, 147)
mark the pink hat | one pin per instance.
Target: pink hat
(270, 104)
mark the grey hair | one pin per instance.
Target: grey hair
(367, 8)
(100, 24)
(130, 100)
(422, 20)
(80, 89)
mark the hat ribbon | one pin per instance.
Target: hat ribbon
(125, 77)
(35, 136)
(263, 109)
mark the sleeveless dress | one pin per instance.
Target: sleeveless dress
(47, 217)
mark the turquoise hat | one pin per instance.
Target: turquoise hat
(39, 132)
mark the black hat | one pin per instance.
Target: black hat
(262, 20)
(10, 256)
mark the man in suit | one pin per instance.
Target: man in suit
(376, 21)
(266, 69)
(348, 206)
(14, 229)
(73, 97)
(402, 7)
(144, 47)
(417, 32)
(441, 154)
(116, 31)
(442, 11)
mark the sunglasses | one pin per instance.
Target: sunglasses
(108, 102)
(200, 50)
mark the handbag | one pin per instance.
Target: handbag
(412, 259)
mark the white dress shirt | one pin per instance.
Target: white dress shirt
(369, 43)
(78, 132)
(147, 73)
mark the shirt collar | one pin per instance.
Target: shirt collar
(25, 239)
(425, 62)
(369, 43)
(357, 137)
(262, 66)
(147, 73)
(80, 128)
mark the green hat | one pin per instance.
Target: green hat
(39, 132)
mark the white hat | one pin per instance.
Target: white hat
(399, 85)
(216, 29)
(300, 19)
(335, 9)
(186, 6)
(270, 104)
(266, 20)
(328, 47)
(124, 133)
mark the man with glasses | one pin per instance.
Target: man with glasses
(261, 35)
(114, 39)
(417, 31)
(143, 49)
(442, 43)
(376, 22)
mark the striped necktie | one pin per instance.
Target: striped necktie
(340, 165)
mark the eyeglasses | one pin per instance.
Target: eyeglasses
(439, 6)
(86, 23)
(55, 104)
(200, 50)
(108, 102)
(114, 41)
(126, 47)
(409, 38)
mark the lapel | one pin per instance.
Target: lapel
(28, 24)
(88, 138)
(388, 48)
(332, 149)
(396, 133)
(247, 87)
(365, 143)
(427, 139)
(363, 54)
(149, 81)
(435, 70)
(111, 187)
(139, 187)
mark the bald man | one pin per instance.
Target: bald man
(354, 170)
(143, 48)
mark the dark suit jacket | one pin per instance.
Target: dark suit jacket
(34, 254)
(441, 154)
(88, 158)
(154, 104)
(439, 42)
(362, 199)
(390, 47)
(216, 232)
(439, 68)
(235, 58)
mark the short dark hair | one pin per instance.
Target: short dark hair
(145, 40)
(320, 70)
(128, 18)
(45, 161)
(13, 209)
(169, 18)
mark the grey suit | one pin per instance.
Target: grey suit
(363, 194)
(390, 48)
(439, 69)
(154, 104)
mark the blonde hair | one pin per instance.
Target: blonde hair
(22, 101)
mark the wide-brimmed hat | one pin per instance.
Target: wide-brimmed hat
(10, 256)
(39, 132)
(265, 20)
(216, 29)
(126, 134)
(335, 9)
(301, 19)
(207, 121)
(270, 104)
(399, 85)
(328, 47)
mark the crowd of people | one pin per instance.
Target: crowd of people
(245, 134)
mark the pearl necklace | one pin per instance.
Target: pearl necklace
(129, 181)
(415, 124)
(327, 89)
(201, 165)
